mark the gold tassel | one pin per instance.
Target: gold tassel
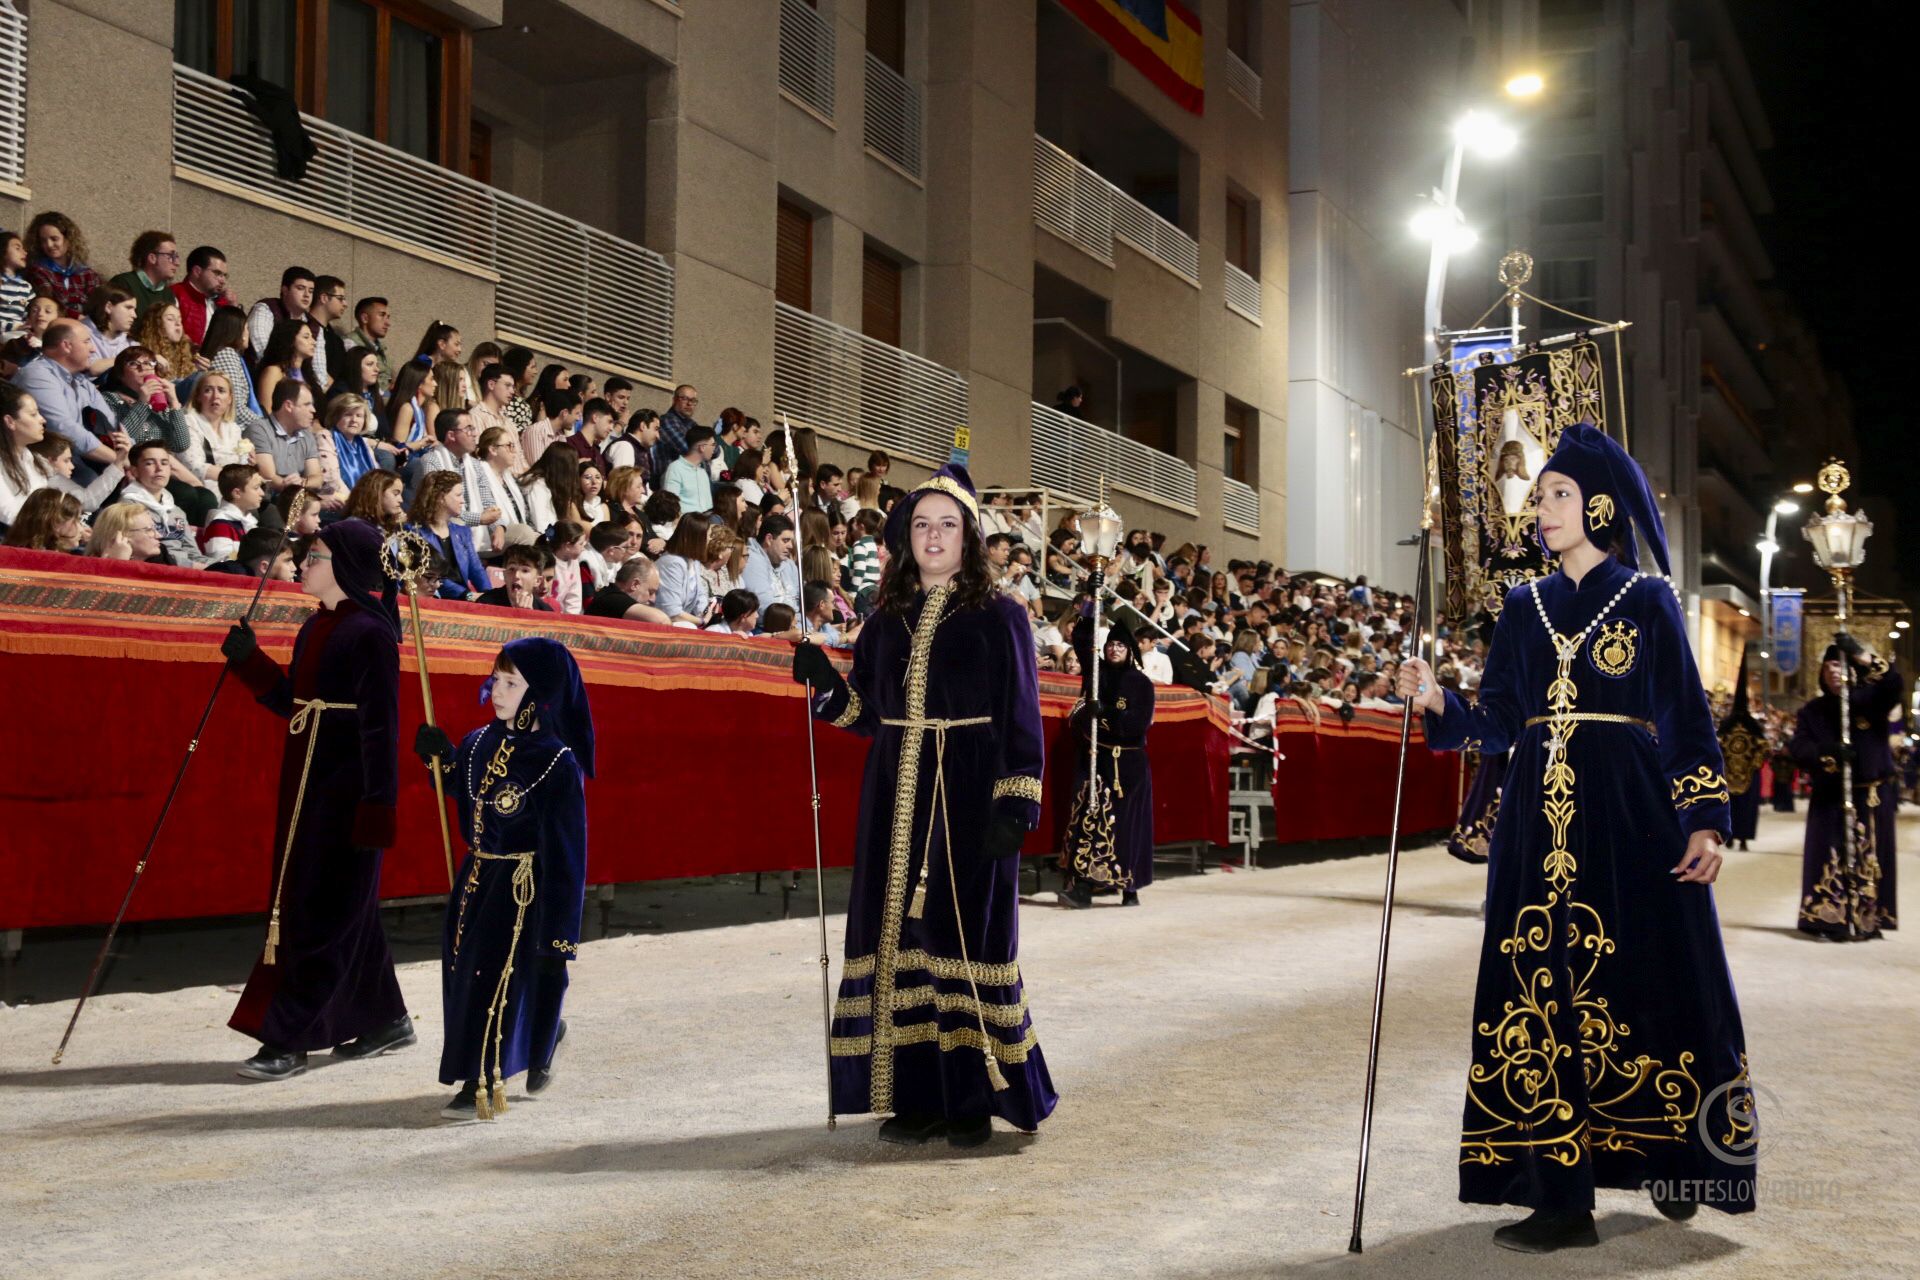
(995, 1076)
(499, 1097)
(480, 1109)
(1118, 790)
(273, 937)
(919, 906)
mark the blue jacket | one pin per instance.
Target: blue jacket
(461, 569)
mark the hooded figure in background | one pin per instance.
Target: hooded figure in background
(1109, 840)
(932, 1024)
(513, 917)
(325, 977)
(1606, 1047)
(1839, 900)
(1743, 743)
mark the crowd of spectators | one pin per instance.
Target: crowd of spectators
(152, 416)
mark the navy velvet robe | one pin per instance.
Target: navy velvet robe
(1816, 740)
(333, 976)
(906, 1030)
(1607, 1048)
(537, 805)
(1126, 714)
(1473, 834)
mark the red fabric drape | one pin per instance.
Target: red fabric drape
(702, 748)
(1336, 782)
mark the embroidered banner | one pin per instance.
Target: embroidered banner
(1787, 605)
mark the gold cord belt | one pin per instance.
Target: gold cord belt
(995, 1077)
(304, 721)
(496, 1024)
(1596, 717)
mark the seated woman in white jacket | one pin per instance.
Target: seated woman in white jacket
(31, 459)
(683, 594)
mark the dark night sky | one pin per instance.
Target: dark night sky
(1839, 84)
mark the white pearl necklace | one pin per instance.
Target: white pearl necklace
(1566, 647)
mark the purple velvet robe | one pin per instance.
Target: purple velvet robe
(1126, 700)
(915, 991)
(1824, 888)
(333, 976)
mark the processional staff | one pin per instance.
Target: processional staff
(407, 558)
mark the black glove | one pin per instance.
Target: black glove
(1848, 645)
(811, 665)
(1005, 834)
(240, 643)
(429, 742)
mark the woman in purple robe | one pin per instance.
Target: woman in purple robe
(1837, 902)
(325, 977)
(931, 1026)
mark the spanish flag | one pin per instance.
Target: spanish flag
(1160, 37)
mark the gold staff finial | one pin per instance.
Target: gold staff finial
(1833, 481)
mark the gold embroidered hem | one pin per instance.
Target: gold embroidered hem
(1020, 786)
(1012, 1054)
(1000, 1015)
(987, 975)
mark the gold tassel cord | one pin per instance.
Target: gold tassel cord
(304, 720)
(495, 1029)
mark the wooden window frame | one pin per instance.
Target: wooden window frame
(310, 65)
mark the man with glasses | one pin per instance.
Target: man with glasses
(329, 305)
(204, 289)
(156, 261)
(674, 425)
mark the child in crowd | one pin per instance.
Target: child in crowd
(241, 492)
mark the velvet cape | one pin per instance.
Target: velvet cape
(1607, 1047)
(1126, 714)
(908, 1031)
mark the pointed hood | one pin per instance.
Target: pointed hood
(1619, 502)
(355, 545)
(1740, 714)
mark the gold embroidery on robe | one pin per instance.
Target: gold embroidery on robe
(1702, 786)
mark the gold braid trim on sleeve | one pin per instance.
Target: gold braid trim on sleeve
(1702, 786)
(1020, 786)
(848, 718)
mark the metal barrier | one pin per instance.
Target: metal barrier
(1240, 505)
(893, 115)
(1243, 293)
(806, 55)
(563, 284)
(1090, 213)
(1243, 82)
(1071, 456)
(829, 376)
(13, 95)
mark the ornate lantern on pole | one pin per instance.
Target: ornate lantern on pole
(1091, 854)
(1839, 541)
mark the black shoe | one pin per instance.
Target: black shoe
(395, 1035)
(538, 1078)
(912, 1129)
(1130, 899)
(1076, 895)
(462, 1108)
(1549, 1230)
(1673, 1210)
(973, 1132)
(273, 1064)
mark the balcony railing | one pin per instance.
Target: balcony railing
(563, 284)
(1090, 213)
(1240, 505)
(1072, 457)
(1243, 82)
(806, 55)
(893, 115)
(13, 94)
(828, 376)
(1243, 293)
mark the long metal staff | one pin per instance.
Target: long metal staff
(408, 560)
(819, 864)
(1420, 591)
(294, 509)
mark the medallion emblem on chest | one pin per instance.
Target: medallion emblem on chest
(1614, 647)
(507, 800)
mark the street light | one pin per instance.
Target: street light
(1527, 84)
(1803, 487)
(1839, 540)
(1769, 548)
(1444, 225)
